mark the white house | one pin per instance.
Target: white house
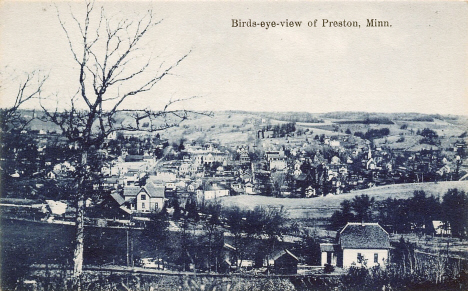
(250, 188)
(335, 160)
(370, 164)
(150, 198)
(57, 207)
(334, 143)
(276, 160)
(441, 228)
(165, 176)
(209, 156)
(184, 169)
(144, 199)
(212, 191)
(359, 244)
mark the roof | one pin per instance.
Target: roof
(111, 180)
(154, 191)
(130, 201)
(215, 187)
(229, 247)
(301, 177)
(134, 158)
(281, 253)
(130, 174)
(131, 191)
(118, 198)
(328, 247)
(363, 236)
(125, 209)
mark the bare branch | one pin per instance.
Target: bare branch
(30, 88)
(148, 85)
(70, 43)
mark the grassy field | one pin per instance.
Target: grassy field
(323, 207)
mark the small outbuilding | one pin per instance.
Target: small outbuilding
(285, 262)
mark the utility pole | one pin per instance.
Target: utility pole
(128, 254)
(131, 249)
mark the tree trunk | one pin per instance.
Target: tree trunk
(79, 222)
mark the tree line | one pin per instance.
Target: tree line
(373, 133)
(415, 214)
(281, 130)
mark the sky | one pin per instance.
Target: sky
(419, 64)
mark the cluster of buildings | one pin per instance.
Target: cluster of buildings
(209, 171)
(145, 174)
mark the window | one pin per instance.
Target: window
(143, 197)
(376, 258)
(359, 258)
(142, 205)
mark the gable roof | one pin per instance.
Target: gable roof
(281, 253)
(153, 191)
(131, 191)
(119, 199)
(363, 236)
(229, 247)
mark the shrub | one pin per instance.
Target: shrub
(328, 268)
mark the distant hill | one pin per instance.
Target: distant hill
(289, 116)
(239, 126)
(407, 116)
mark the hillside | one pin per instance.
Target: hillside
(237, 127)
(323, 207)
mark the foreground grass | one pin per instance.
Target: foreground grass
(391, 278)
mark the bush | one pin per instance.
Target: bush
(328, 268)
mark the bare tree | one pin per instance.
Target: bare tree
(29, 87)
(110, 71)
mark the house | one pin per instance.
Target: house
(51, 175)
(444, 170)
(441, 228)
(184, 169)
(144, 199)
(310, 192)
(165, 176)
(370, 164)
(276, 160)
(57, 207)
(285, 262)
(134, 158)
(334, 143)
(244, 158)
(108, 169)
(250, 188)
(360, 244)
(131, 178)
(228, 258)
(209, 156)
(329, 253)
(335, 160)
(150, 198)
(212, 191)
(112, 206)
